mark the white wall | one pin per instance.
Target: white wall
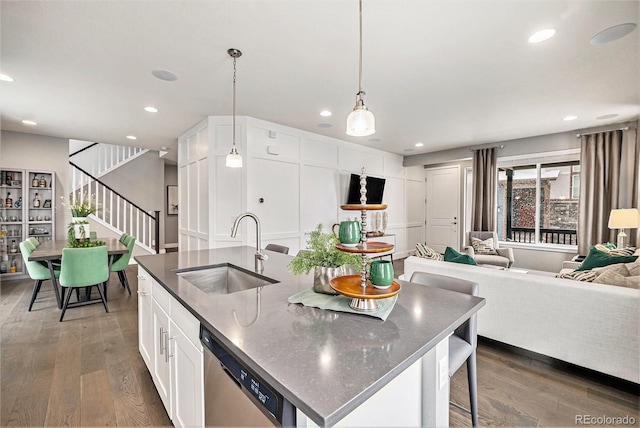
(170, 221)
(37, 152)
(292, 180)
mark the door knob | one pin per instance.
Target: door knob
(453, 222)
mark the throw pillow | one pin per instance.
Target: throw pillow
(451, 255)
(483, 247)
(597, 258)
(633, 268)
(610, 277)
(427, 253)
(626, 251)
(618, 268)
(585, 276)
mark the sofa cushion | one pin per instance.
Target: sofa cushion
(483, 246)
(597, 258)
(451, 255)
(633, 268)
(611, 277)
(425, 252)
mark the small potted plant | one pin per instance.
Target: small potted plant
(325, 259)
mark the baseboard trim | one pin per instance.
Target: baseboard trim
(603, 378)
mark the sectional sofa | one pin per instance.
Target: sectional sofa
(588, 324)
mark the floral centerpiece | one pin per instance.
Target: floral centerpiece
(325, 259)
(79, 231)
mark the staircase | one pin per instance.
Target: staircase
(116, 213)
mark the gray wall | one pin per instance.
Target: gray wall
(140, 181)
(29, 151)
(170, 221)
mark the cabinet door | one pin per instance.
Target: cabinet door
(145, 320)
(187, 380)
(161, 364)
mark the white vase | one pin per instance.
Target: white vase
(81, 228)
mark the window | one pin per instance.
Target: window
(538, 202)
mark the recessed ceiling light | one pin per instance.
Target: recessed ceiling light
(607, 116)
(570, 117)
(29, 122)
(542, 35)
(164, 75)
(151, 109)
(324, 125)
(612, 33)
(132, 137)
(419, 144)
(6, 78)
(325, 113)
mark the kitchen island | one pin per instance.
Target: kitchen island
(335, 368)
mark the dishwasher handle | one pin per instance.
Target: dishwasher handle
(231, 376)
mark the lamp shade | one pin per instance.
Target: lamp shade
(361, 122)
(624, 219)
(234, 160)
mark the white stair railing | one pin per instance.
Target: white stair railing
(116, 212)
(99, 159)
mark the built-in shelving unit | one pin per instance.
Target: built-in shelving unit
(21, 216)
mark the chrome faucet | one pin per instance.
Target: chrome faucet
(258, 256)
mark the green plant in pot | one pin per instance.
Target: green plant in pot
(325, 259)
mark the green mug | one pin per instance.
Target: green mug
(349, 233)
(381, 273)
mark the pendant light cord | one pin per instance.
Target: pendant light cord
(360, 55)
(234, 102)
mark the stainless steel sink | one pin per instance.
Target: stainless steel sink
(223, 279)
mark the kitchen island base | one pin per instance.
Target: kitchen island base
(417, 397)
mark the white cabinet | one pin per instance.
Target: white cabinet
(168, 340)
(161, 366)
(187, 380)
(145, 319)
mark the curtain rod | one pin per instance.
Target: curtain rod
(624, 128)
(501, 146)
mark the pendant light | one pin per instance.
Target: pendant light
(360, 121)
(234, 160)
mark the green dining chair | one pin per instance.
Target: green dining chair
(34, 241)
(123, 237)
(121, 263)
(38, 272)
(84, 267)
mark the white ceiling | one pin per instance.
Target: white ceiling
(442, 72)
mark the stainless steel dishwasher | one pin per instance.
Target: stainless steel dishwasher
(235, 396)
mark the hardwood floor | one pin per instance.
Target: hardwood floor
(87, 371)
(84, 371)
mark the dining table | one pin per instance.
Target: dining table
(51, 252)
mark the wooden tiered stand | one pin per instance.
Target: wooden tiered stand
(362, 292)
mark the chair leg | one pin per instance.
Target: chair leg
(473, 387)
(36, 289)
(66, 302)
(125, 281)
(103, 295)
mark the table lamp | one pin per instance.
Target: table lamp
(624, 219)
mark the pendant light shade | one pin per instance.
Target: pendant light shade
(234, 160)
(360, 121)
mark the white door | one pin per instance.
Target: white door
(161, 364)
(187, 380)
(145, 319)
(442, 208)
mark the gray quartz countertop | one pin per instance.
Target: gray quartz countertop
(325, 363)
